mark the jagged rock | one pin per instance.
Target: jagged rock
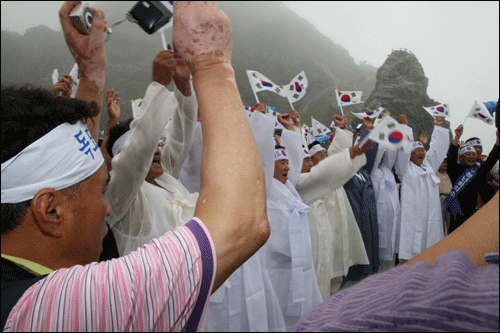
(401, 88)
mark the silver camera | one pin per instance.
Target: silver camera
(82, 16)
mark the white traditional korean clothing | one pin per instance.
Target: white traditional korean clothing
(246, 302)
(421, 218)
(314, 188)
(142, 211)
(388, 206)
(287, 253)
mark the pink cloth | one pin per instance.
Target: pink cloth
(162, 286)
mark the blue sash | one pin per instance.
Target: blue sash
(451, 200)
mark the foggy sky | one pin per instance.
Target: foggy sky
(456, 43)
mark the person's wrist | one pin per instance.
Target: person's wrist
(212, 73)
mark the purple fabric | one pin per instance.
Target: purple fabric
(453, 295)
(206, 282)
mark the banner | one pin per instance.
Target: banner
(259, 82)
(348, 97)
(318, 128)
(390, 134)
(441, 110)
(296, 89)
(371, 114)
(478, 112)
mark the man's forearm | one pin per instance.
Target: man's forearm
(92, 91)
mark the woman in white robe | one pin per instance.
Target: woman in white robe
(421, 218)
(287, 253)
(388, 207)
(142, 211)
(314, 188)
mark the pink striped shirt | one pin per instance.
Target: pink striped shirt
(163, 286)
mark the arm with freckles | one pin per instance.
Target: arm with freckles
(232, 201)
(89, 54)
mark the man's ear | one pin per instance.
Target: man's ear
(47, 211)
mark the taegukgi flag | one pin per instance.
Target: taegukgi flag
(348, 97)
(259, 83)
(371, 114)
(478, 112)
(441, 110)
(318, 128)
(296, 89)
(136, 107)
(390, 134)
(75, 75)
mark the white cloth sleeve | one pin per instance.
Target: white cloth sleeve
(341, 140)
(328, 175)
(292, 142)
(403, 159)
(132, 164)
(440, 142)
(180, 133)
(263, 128)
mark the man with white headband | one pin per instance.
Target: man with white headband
(334, 244)
(165, 284)
(287, 256)
(144, 193)
(421, 218)
(468, 177)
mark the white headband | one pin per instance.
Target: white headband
(117, 146)
(316, 148)
(61, 158)
(280, 154)
(417, 144)
(473, 143)
(305, 153)
(466, 149)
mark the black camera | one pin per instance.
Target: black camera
(150, 15)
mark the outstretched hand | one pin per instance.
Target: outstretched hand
(424, 138)
(64, 86)
(295, 117)
(403, 120)
(88, 50)
(164, 67)
(286, 121)
(113, 101)
(259, 107)
(368, 123)
(438, 121)
(201, 34)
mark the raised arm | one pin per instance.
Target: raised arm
(232, 196)
(113, 105)
(89, 54)
(292, 141)
(440, 143)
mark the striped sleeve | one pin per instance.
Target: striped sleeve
(453, 295)
(163, 286)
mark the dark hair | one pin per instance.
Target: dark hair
(28, 113)
(115, 132)
(313, 144)
(279, 147)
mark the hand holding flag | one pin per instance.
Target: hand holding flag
(390, 134)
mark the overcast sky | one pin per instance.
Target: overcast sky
(456, 42)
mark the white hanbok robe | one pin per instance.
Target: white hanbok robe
(388, 206)
(421, 217)
(246, 302)
(142, 211)
(287, 253)
(315, 187)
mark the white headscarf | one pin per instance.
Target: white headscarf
(61, 158)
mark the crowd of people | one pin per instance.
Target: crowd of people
(198, 214)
